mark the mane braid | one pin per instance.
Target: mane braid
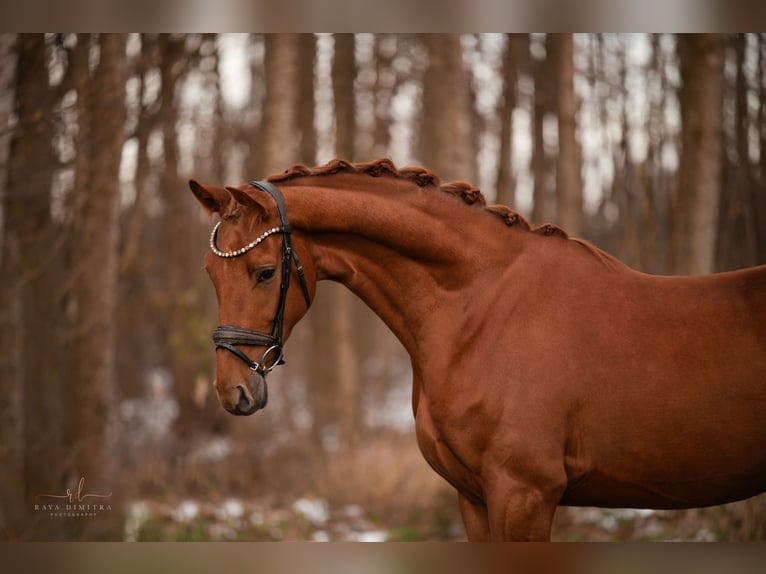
(422, 177)
(377, 168)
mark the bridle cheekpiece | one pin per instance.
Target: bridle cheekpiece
(228, 336)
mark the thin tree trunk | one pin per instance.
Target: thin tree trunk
(343, 77)
(696, 194)
(347, 367)
(760, 203)
(446, 145)
(13, 511)
(280, 117)
(178, 255)
(306, 64)
(384, 89)
(623, 185)
(101, 115)
(322, 381)
(540, 208)
(625, 194)
(656, 181)
(568, 180)
(280, 138)
(12, 507)
(737, 236)
(254, 125)
(506, 184)
(137, 216)
(219, 127)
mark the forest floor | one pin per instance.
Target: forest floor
(316, 519)
(385, 492)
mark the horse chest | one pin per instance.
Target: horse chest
(442, 456)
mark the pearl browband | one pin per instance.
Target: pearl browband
(242, 250)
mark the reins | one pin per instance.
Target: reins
(229, 336)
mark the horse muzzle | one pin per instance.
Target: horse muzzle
(246, 397)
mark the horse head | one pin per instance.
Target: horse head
(251, 262)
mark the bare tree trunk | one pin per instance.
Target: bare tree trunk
(219, 127)
(625, 187)
(31, 228)
(656, 180)
(12, 506)
(343, 78)
(177, 256)
(306, 63)
(622, 184)
(760, 200)
(384, 89)
(542, 98)
(101, 115)
(737, 245)
(279, 143)
(506, 184)
(347, 367)
(696, 194)
(254, 117)
(322, 376)
(137, 216)
(446, 144)
(334, 390)
(13, 510)
(280, 117)
(568, 180)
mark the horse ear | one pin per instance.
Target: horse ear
(213, 199)
(246, 200)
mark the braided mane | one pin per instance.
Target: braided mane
(422, 178)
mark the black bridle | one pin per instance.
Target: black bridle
(228, 336)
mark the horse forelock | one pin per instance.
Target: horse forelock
(232, 212)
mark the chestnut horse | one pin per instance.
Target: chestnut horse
(545, 372)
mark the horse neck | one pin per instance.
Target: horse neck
(410, 254)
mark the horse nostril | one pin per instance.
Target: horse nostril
(244, 403)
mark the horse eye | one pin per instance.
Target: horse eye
(265, 274)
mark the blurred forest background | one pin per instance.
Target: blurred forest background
(651, 146)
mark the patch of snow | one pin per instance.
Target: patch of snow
(368, 536)
(137, 514)
(315, 510)
(320, 536)
(215, 449)
(353, 511)
(186, 511)
(230, 509)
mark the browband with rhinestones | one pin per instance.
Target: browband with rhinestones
(242, 250)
